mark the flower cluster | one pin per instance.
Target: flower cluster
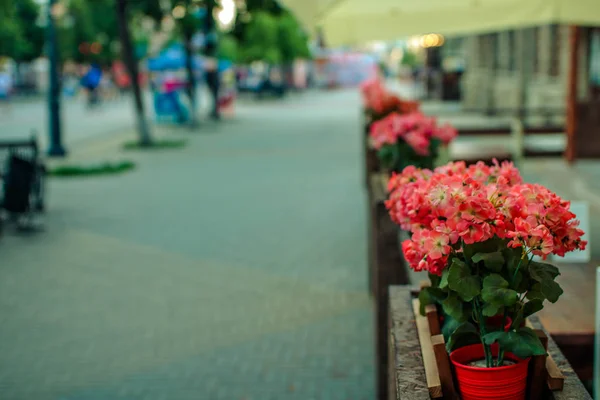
(415, 129)
(456, 205)
(379, 102)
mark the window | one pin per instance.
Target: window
(511, 50)
(535, 35)
(555, 47)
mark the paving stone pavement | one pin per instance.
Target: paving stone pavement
(232, 269)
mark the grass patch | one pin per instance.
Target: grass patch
(156, 144)
(92, 170)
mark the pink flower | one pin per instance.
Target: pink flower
(446, 133)
(436, 245)
(454, 206)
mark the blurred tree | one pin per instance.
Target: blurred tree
(228, 48)
(123, 13)
(187, 13)
(28, 14)
(293, 42)
(12, 42)
(76, 32)
(261, 42)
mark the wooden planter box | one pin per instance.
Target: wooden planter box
(419, 367)
(386, 268)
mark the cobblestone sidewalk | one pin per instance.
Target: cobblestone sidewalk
(232, 269)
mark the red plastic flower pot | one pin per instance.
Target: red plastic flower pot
(498, 383)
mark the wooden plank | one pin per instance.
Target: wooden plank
(407, 359)
(556, 380)
(537, 370)
(444, 369)
(432, 319)
(432, 375)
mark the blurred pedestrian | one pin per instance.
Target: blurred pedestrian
(91, 82)
(6, 87)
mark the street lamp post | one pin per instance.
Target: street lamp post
(56, 148)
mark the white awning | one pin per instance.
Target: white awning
(349, 22)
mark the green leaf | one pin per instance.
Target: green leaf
(522, 342)
(388, 156)
(491, 309)
(492, 261)
(425, 299)
(545, 275)
(489, 246)
(454, 307)
(434, 279)
(430, 295)
(449, 326)
(444, 280)
(535, 293)
(465, 334)
(462, 281)
(512, 256)
(542, 271)
(531, 307)
(495, 292)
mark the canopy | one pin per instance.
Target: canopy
(310, 12)
(355, 21)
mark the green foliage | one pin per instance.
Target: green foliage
(398, 156)
(492, 261)
(456, 308)
(91, 170)
(12, 42)
(27, 14)
(489, 279)
(261, 39)
(293, 42)
(271, 35)
(463, 335)
(156, 144)
(409, 59)
(228, 48)
(497, 295)
(462, 281)
(522, 342)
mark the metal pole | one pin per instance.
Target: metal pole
(56, 148)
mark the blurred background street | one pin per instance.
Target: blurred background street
(200, 213)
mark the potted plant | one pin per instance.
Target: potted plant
(409, 139)
(378, 102)
(476, 231)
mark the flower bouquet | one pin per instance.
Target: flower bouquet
(379, 103)
(476, 231)
(409, 139)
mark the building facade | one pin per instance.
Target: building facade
(522, 69)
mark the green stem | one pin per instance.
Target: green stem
(489, 361)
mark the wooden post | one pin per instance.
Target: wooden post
(556, 380)
(432, 318)
(537, 370)
(574, 37)
(443, 364)
(429, 362)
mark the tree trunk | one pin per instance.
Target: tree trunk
(212, 77)
(132, 69)
(191, 78)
